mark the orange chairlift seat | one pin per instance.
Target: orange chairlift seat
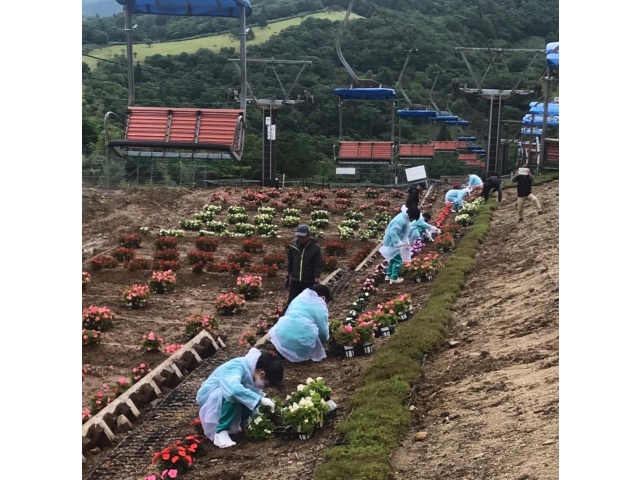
(448, 146)
(363, 153)
(467, 157)
(191, 129)
(416, 151)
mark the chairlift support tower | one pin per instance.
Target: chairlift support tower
(270, 109)
(497, 99)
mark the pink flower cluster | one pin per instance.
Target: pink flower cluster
(250, 286)
(173, 348)
(151, 343)
(164, 277)
(249, 337)
(139, 371)
(137, 292)
(172, 473)
(92, 337)
(229, 301)
(369, 285)
(97, 318)
(86, 414)
(86, 278)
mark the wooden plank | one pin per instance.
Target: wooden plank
(373, 253)
(148, 379)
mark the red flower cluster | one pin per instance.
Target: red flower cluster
(252, 245)
(381, 202)
(342, 203)
(207, 244)
(176, 456)
(315, 201)
(199, 256)
(224, 267)
(124, 253)
(444, 213)
(276, 258)
(359, 257)
(268, 270)
(165, 265)
(219, 197)
(137, 264)
(130, 241)
(242, 258)
(334, 248)
(330, 263)
(396, 193)
(166, 243)
(103, 261)
(166, 254)
(254, 198)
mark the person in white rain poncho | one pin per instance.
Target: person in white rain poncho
(300, 332)
(474, 182)
(395, 244)
(233, 391)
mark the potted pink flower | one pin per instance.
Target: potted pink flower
(136, 295)
(228, 303)
(250, 286)
(86, 280)
(151, 343)
(162, 282)
(140, 371)
(97, 318)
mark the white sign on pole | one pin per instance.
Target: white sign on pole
(267, 120)
(345, 171)
(271, 132)
(416, 173)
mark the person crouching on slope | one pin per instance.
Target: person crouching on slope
(299, 334)
(234, 391)
(456, 197)
(421, 229)
(396, 242)
(474, 182)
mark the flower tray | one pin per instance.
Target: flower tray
(135, 305)
(285, 432)
(425, 278)
(384, 331)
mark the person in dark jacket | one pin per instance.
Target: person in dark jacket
(414, 195)
(493, 184)
(304, 264)
(524, 181)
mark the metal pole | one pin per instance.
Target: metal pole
(339, 119)
(243, 59)
(393, 120)
(545, 112)
(129, 37)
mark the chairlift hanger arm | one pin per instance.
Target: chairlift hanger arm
(525, 71)
(399, 83)
(435, 107)
(339, 40)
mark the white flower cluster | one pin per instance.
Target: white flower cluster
(144, 230)
(320, 214)
(266, 230)
(290, 221)
(171, 233)
(346, 232)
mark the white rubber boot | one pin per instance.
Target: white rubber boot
(222, 440)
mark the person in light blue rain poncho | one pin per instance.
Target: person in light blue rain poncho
(396, 244)
(474, 182)
(233, 392)
(300, 332)
(421, 229)
(456, 197)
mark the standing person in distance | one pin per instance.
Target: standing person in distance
(413, 199)
(523, 178)
(396, 238)
(304, 263)
(493, 184)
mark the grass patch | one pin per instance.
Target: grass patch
(212, 42)
(380, 416)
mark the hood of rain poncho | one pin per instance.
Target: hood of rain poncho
(418, 227)
(233, 382)
(474, 181)
(300, 332)
(397, 232)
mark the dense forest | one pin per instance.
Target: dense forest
(375, 47)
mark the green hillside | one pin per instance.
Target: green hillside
(213, 42)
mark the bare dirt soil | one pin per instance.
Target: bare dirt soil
(488, 407)
(106, 215)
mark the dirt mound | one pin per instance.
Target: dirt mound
(488, 407)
